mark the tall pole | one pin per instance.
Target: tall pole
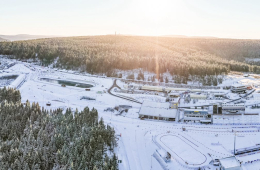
(151, 162)
(135, 135)
(235, 144)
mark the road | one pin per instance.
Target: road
(121, 96)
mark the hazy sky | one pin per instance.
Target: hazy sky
(220, 18)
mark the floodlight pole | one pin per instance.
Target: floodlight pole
(235, 143)
(110, 117)
(151, 162)
(135, 135)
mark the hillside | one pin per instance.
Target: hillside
(102, 54)
(1, 39)
(21, 37)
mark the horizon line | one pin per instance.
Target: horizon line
(119, 34)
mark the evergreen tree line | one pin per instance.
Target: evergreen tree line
(10, 95)
(103, 54)
(33, 138)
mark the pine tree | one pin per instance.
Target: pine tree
(166, 80)
(51, 140)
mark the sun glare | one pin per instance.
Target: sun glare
(157, 10)
(159, 16)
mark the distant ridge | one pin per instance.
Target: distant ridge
(173, 36)
(20, 37)
(1, 39)
(184, 36)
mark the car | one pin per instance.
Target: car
(216, 163)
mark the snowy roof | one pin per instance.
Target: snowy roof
(229, 162)
(174, 93)
(219, 93)
(248, 148)
(176, 89)
(157, 109)
(156, 88)
(196, 95)
(232, 104)
(164, 105)
(195, 90)
(196, 110)
(238, 85)
(256, 94)
(17, 81)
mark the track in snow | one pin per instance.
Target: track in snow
(120, 96)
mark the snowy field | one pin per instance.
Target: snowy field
(141, 140)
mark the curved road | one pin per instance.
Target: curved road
(120, 96)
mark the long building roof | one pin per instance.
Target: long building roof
(229, 162)
(196, 110)
(198, 95)
(248, 148)
(157, 109)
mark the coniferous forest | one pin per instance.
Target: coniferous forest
(10, 95)
(200, 60)
(179, 56)
(34, 138)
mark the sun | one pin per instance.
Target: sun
(159, 9)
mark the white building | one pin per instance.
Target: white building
(230, 163)
(156, 110)
(174, 95)
(197, 115)
(219, 94)
(233, 108)
(174, 99)
(238, 88)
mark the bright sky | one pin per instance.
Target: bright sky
(219, 18)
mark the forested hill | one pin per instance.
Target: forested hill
(180, 56)
(20, 37)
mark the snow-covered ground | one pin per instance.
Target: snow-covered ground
(141, 141)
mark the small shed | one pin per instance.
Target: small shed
(48, 104)
(87, 89)
(63, 85)
(230, 163)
